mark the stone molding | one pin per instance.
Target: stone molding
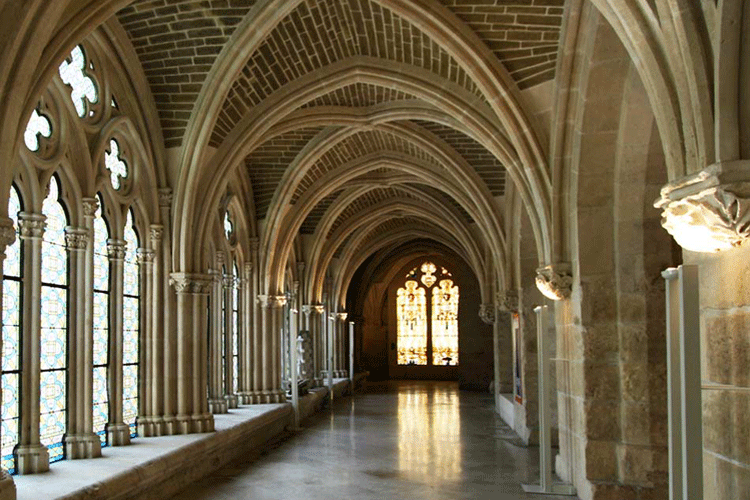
(254, 244)
(7, 234)
(90, 206)
(219, 258)
(487, 313)
(156, 232)
(709, 211)
(31, 225)
(190, 283)
(342, 316)
(314, 308)
(116, 249)
(145, 255)
(165, 197)
(507, 300)
(555, 281)
(277, 301)
(76, 238)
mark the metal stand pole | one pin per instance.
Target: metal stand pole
(545, 432)
(684, 376)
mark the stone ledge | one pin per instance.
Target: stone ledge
(159, 467)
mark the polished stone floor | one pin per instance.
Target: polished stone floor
(412, 440)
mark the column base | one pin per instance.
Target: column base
(7, 487)
(170, 425)
(232, 401)
(203, 423)
(218, 406)
(318, 382)
(118, 434)
(276, 396)
(245, 397)
(183, 424)
(82, 446)
(151, 426)
(31, 459)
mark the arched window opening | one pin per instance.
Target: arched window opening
(420, 342)
(101, 325)
(11, 358)
(73, 72)
(38, 126)
(118, 169)
(235, 331)
(54, 301)
(228, 226)
(131, 330)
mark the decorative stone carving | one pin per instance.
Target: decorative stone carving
(487, 313)
(228, 281)
(507, 300)
(145, 255)
(157, 232)
(90, 206)
(190, 283)
(165, 197)
(709, 211)
(254, 244)
(342, 316)
(555, 281)
(76, 238)
(31, 225)
(277, 301)
(7, 234)
(116, 249)
(219, 259)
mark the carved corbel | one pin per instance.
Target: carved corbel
(555, 281)
(487, 313)
(507, 300)
(709, 211)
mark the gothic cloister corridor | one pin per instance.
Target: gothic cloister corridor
(398, 439)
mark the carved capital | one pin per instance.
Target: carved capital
(76, 238)
(190, 283)
(249, 268)
(228, 281)
(278, 301)
(507, 300)
(264, 301)
(90, 206)
(116, 249)
(219, 259)
(709, 211)
(342, 316)
(254, 244)
(313, 308)
(487, 313)
(156, 232)
(165, 197)
(145, 255)
(7, 234)
(31, 225)
(555, 281)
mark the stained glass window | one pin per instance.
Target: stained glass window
(73, 73)
(445, 323)
(11, 362)
(38, 125)
(228, 225)
(101, 325)
(412, 324)
(420, 342)
(131, 328)
(224, 382)
(235, 332)
(54, 320)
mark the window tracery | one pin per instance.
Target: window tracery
(101, 325)
(38, 126)
(228, 226)
(73, 74)
(118, 169)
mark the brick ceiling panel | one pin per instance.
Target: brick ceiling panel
(355, 146)
(267, 164)
(321, 32)
(359, 95)
(523, 34)
(386, 227)
(445, 198)
(367, 200)
(489, 168)
(313, 218)
(177, 42)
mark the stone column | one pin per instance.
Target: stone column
(246, 340)
(80, 441)
(216, 401)
(31, 455)
(316, 331)
(118, 432)
(271, 319)
(7, 238)
(341, 333)
(229, 395)
(257, 325)
(149, 418)
(191, 353)
(165, 304)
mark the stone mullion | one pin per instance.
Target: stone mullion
(31, 455)
(257, 326)
(246, 347)
(216, 403)
(7, 238)
(118, 433)
(80, 441)
(149, 418)
(192, 409)
(229, 333)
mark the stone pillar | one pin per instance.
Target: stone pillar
(7, 238)
(216, 401)
(316, 330)
(229, 395)
(165, 304)
(257, 326)
(341, 334)
(149, 419)
(80, 441)
(272, 310)
(191, 353)
(118, 432)
(246, 341)
(31, 455)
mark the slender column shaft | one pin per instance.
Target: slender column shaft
(246, 341)
(80, 440)
(335, 336)
(7, 238)
(216, 403)
(31, 455)
(229, 329)
(165, 304)
(293, 334)
(351, 353)
(162, 409)
(118, 432)
(149, 418)
(258, 330)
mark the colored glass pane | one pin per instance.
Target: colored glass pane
(101, 325)
(101, 403)
(131, 327)
(9, 427)
(412, 324)
(54, 306)
(445, 324)
(73, 73)
(235, 331)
